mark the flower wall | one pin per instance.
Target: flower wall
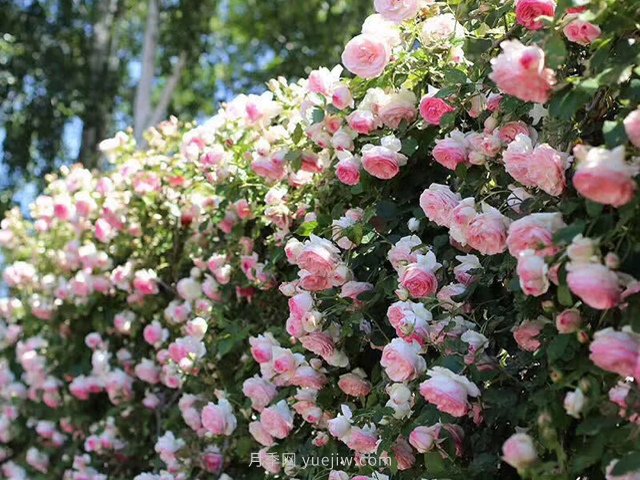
(425, 269)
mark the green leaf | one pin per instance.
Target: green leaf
(306, 229)
(556, 51)
(557, 347)
(628, 463)
(566, 234)
(614, 133)
(564, 296)
(317, 115)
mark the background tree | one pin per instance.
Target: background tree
(71, 73)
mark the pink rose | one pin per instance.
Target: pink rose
(528, 11)
(404, 252)
(398, 107)
(363, 122)
(348, 170)
(402, 361)
(526, 335)
(262, 347)
(363, 440)
(594, 284)
(451, 151)
(423, 439)
(366, 55)
(542, 167)
(319, 343)
(145, 282)
(397, 10)
(341, 97)
(461, 217)
(403, 454)
(568, 321)
(260, 391)
(520, 71)
(277, 420)
(383, 161)
(319, 256)
(603, 176)
(487, 232)
(411, 321)
(632, 127)
(617, 352)
(534, 232)
(260, 434)
(448, 392)
(519, 452)
(511, 130)
(432, 109)
(219, 419)
(581, 32)
(437, 202)
(419, 282)
(354, 385)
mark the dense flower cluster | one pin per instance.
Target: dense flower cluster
(422, 265)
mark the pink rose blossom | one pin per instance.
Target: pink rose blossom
(487, 232)
(366, 55)
(581, 32)
(448, 392)
(260, 391)
(383, 161)
(594, 284)
(526, 335)
(432, 109)
(451, 151)
(528, 11)
(219, 419)
(534, 232)
(568, 321)
(632, 127)
(617, 352)
(520, 71)
(437, 202)
(348, 169)
(397, 10)
(604, 177)
(277, 420)
(354, 384)
(402, 361)
(424, 439)
(519, 451)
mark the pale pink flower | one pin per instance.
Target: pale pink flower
(366, 55)
(594, 284)
(383, 161)
(219, 419)
(432, 109)
(581, 32)
(402, 360)
(437, 202)
(519, 451)
(603, 176)
(520, 71)
(526, 335)
(617, 352)
(448, 391)
(277, 420)
(528, 12)
(487, 232)
(632, 127)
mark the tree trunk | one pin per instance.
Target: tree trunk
(142, 108)
(102, 80)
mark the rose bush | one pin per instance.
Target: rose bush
(433, 263)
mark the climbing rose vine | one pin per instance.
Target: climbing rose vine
(423, 265)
